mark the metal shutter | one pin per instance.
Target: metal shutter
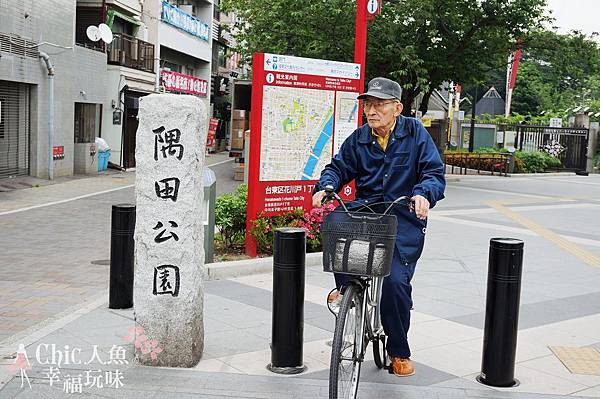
(14, 129)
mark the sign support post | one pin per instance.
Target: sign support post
(360, 39)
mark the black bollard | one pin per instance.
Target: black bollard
(502, 313)
(287, 330)
(121, 256)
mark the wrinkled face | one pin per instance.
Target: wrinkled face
(381, 113)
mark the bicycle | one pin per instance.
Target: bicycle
(361, 244)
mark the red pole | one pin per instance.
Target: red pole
(360, 40)
(253, 164)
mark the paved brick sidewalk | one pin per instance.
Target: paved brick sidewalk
(55, 243)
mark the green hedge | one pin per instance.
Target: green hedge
(230, 216)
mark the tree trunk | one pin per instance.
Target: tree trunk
(425, 102)
(407, 100)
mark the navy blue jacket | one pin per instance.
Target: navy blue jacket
(411, 165)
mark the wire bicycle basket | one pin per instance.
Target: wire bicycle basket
(358, 243)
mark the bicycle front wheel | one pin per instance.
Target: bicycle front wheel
(379, 351)
(347, 347)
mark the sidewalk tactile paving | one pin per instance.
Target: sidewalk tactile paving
(578, 360)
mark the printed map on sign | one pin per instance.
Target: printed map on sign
(346, 117)
(297, 126)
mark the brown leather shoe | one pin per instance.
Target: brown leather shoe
(402, 367)
(333, 296)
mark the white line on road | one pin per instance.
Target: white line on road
(65, 200)
(578, 181)
(481, 211)
(516, 230)
(508, 193)
(222, 162)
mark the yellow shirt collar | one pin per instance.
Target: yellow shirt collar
(383, 141)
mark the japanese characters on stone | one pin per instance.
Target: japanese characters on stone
(166, 144)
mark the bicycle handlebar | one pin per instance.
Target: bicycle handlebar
(330, 195)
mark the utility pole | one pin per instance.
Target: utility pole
(472, 135)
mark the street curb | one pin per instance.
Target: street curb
(246, 267)
(543, 174)
(514, 175)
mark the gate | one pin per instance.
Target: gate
(574, 141)
(14, 129)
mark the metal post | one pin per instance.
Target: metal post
(502, 313)
(592, 145)
(521, 134)
(287, 330)
(472, 136)
(121, 256)
(209, 182)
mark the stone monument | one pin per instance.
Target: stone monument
(169, 253)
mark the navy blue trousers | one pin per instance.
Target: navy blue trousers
(396, 303)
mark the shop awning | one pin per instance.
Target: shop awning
(111, 14)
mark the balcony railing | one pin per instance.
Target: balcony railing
(131, 52)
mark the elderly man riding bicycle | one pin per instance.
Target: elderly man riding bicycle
(389, 157)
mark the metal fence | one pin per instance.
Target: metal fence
(464, 163)
(572, 141)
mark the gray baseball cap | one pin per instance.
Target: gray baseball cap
(383, 88)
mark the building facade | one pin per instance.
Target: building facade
(46, 91)
(59, 89)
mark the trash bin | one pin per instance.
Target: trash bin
(103, 160)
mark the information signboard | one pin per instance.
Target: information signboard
(555, 122)
(302, 111)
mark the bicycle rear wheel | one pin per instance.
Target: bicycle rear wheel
(347, 347)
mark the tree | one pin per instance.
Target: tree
(443, 40)
(419, 43)
(532, 93)
(557, 72)
(316, 29)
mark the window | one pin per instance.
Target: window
(171, 66)
(217, 10)
(84, 17)
(121, 26)
(222, 55)
(87, 122)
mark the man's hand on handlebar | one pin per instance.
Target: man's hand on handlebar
(420, 205)
(320, 197)
(317, 199)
